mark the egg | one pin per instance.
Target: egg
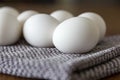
(25, 15)
(38, 30)
(9, 29)
(98, 20)
(76, 35)
(9, 10)
(61, 15)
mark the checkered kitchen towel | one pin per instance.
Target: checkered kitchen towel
(24, 60)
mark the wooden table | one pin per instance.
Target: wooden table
(111, 14)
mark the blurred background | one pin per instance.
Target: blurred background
(108, 9)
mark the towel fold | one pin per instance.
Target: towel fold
(24, 60)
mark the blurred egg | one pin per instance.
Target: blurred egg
(10, 31)
(61, 15)
(76, 35)
(38, 30)
(9, 10)
(98, 20)
(25, 15)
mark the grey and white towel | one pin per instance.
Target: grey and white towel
(23, 60)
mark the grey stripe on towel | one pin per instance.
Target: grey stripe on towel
(24, 60)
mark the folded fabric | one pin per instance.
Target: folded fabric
(24, 60)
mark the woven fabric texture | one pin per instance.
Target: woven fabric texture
(23, 60)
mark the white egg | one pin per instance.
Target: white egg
(61, 15)
(76, 35)
(10, 31)
(9, 10)
(98, 20)
(25, 15)
(38, 30)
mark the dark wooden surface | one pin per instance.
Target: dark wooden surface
(111, 14)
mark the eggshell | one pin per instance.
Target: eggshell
(9, 10)
(76, 35)
(38, 30)
(98, 20)
(9, 29)
(25, 15)
(61, 15)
